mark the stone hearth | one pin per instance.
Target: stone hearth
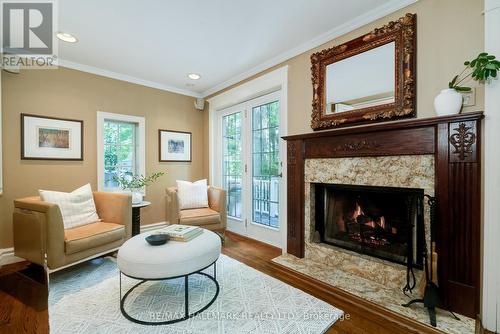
(383, 295)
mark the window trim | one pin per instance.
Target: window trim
(140, 144)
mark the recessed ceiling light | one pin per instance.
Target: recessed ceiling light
(65, 37)
(194, 76)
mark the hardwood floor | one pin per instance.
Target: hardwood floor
(23, 299)
(23, 295)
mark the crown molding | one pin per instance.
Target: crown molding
(125, 77)
(347, 27)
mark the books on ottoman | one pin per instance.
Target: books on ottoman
(182, 232)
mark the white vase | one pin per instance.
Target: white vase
(448, 102)
(136, 196)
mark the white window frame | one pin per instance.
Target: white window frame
(140, 144)
(274, 81)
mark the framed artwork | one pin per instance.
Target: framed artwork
(174, 146)
(49, 138)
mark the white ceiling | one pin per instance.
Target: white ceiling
(157, 43)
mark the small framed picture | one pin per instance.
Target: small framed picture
(49, 138)
(174, 146)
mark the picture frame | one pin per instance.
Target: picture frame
(51, 138)
(174, 146)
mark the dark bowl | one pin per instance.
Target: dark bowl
(157, 239)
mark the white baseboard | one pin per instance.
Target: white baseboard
(7, 254)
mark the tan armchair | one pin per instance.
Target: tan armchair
(39, 233)
(213, 218)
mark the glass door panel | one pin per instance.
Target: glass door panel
(265, 164)
(232, 163)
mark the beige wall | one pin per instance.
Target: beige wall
(448, 33)
(77, 95)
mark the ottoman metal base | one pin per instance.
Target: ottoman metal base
(187, 315)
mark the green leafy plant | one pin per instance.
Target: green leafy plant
(481, 68)
(127, 181)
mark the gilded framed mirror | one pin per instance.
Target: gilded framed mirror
(369, 79)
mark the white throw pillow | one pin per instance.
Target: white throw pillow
(77, 207)
(192, 195)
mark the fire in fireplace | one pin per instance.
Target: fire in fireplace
(384, 222)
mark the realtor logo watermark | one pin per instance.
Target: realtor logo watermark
(28, 34)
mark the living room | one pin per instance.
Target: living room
(306, 167)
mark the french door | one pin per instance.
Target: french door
(251, 168)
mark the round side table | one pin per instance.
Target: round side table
(136, 216)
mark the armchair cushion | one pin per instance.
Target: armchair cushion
(92, 235)
(212, 218)
(77, 207)
(192, 195)
(199, 217)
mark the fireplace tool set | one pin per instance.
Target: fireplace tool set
(431, 293)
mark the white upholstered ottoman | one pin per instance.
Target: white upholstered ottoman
(137, 259)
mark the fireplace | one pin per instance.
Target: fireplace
(384, 222)
(425, 153)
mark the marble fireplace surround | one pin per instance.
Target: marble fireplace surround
(370, 278)
(455, 143)
(407, 171)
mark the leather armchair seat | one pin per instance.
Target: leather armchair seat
(199, 217)
(213, 218)
(92, 235)
(40, 237)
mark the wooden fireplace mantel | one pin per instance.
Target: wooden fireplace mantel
(455, 142)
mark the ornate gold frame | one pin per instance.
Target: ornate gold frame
(403, 32)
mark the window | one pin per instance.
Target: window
(231, 164)
(266, 164)
(120, 141)
(119, 151)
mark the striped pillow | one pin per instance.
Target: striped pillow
(77, 207)
(192, 195)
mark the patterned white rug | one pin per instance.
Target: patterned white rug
(85, 299)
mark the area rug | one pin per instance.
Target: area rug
(85, 299)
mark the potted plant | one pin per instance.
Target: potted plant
(481, 69)
(135, 182)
